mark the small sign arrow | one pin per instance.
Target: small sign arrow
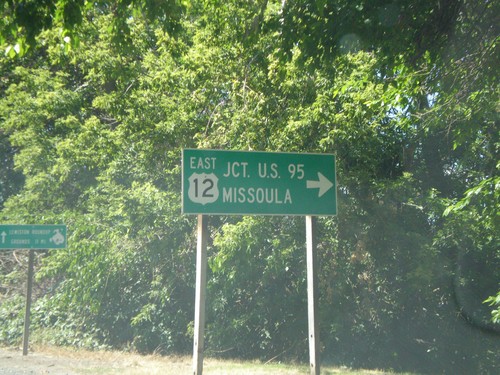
(3, 236)
(323, 183)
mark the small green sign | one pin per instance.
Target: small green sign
(32, 236)
(260, 183)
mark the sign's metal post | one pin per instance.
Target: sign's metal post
(27, 313)
(312, 295)
(201, 289)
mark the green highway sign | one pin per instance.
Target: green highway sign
(260, 183)
(32, 236)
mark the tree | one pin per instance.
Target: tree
(26, 21)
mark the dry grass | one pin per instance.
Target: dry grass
(59, 361)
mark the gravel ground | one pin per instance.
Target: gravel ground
(14, 363)
(68, 362)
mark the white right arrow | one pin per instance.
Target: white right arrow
(323, 183)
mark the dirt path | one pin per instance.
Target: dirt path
(67, 362)
(12, 362)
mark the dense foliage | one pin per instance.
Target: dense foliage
(97, 99)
